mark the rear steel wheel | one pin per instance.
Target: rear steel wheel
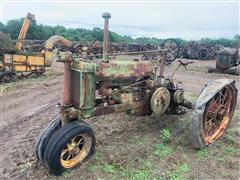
(218, 114)
(214, 110)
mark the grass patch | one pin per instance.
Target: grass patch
(98, 158)
(165, 135)
(110, 168)
(202, 153)
(221, 159)
(163, 150)
(24, 167)
(67, 173)
(177, 174)
(92, 168)
(124, 172)
(140, 174)
(229, 136)
(139, 142)
(235, 115)
(230, 149)
(127, 173)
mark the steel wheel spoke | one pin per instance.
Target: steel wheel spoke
(69, 156)
(218, 113)
(73, 140)
(80, 141)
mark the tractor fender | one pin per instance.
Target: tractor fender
(206, 94)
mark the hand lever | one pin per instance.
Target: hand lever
(184, 64)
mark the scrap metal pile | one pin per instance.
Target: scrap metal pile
(199, 50)
(95, 49)
(228, 60)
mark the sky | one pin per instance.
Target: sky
(184, 19)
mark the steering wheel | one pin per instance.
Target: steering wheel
(172, 48)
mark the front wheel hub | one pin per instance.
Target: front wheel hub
(75, 151)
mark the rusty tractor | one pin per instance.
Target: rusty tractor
(100, 87)
(228, 60)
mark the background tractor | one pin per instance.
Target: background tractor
(228, 60)
(100, 87)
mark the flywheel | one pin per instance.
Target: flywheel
(160, 100)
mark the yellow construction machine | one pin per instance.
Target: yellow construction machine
(25, 63)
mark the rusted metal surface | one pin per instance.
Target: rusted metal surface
(104, 90)
(110, 109)
(160, 100)
(214, 108)
(181, 63)
(178, 96)
(67, 78)
(50, 45)
(218, 114)
(162, 65)
(172, 50)
(233, 70)
(123, 69)
(228, 60)
(199, 50)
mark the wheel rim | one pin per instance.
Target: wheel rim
(76, 150)
(218, 114)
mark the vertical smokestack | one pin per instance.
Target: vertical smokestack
(106, 17)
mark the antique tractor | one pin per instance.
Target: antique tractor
(228, 60)
(100, 87)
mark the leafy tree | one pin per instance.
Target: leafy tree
(1, 27)
(43, 32)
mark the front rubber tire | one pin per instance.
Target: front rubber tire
(59, 141)
(45, 136)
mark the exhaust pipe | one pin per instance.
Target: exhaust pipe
(50, 45)
(106, 17)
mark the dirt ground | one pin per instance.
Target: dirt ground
(127, 147)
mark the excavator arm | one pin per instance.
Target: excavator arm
(24, 29)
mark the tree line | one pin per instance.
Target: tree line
(43, 32)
